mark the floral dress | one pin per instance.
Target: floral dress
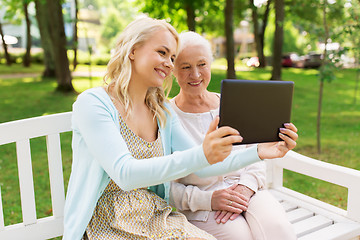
(139, 213)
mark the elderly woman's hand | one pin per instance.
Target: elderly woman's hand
(217, 144)
(279, 149)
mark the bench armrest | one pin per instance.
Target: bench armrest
(343, 176)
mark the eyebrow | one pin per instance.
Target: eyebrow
(168, 50)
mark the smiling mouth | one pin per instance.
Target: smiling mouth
(195, 83)
(161, 73)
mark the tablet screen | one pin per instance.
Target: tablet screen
(257, 109)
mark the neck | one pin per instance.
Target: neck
(197, 103)
(137, 94)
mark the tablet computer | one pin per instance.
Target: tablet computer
(257, 109)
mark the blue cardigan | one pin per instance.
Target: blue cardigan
(100, 154)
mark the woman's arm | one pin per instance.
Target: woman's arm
(189, 197)
(94, 122)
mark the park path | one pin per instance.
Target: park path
(74, 74)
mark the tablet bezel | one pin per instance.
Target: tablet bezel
(266, 106)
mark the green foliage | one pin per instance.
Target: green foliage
(209, 15)
(13, 11)
(30, 97)
(112, 25)
(294, 40)
(327, 72)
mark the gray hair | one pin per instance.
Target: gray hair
(190, 38)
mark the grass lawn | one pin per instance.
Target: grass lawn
(29, 97)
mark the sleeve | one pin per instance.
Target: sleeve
(236, 160)
(92, 119)
(189, 197)
(254, 176)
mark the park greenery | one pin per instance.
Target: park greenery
(328, 95)
(29, 96)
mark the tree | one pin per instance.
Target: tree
(278, 40)
(75, 34)
(178, 12)
(58, 42)
(229, 34)
(42, 16)
(199, 15)
(27, 56)
(16, 11)
(259, 30)
(7, 55)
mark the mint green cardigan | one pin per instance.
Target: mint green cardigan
(100, 154)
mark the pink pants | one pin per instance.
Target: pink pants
(265, 219)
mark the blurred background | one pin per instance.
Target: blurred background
(51, 50)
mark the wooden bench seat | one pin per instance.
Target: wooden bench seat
(311, 218)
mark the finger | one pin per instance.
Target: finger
(290, 143)
(222, 214)
(240, 198)
(293, 135)
(236, 208)
(213, 124)
(230, 139)
(217, 213)
(234, 216)
(226, 217)
(225, 131)
(291, 127)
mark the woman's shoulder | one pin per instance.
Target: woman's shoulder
(94, 94)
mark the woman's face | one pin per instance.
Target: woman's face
(193, 69)
(153, 60)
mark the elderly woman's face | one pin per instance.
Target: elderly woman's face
(192, 69)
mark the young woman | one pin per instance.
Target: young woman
(215, 204)
(127, 143)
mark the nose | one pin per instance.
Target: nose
(195, 73)
(169, 63)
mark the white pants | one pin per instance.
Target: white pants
(265, 219)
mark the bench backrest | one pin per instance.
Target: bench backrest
(20, 132)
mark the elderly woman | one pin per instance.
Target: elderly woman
(235, 205)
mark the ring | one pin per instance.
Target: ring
(230, 203)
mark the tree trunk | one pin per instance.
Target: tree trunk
(58, 40)
(278, 40)
(255, 19)
(262, 59)
(229, 33)
(318, 123)
(42, 17)
(259, 33)
(326, 37)
(75, 38)
(190, 20)
(7, 55)
(27, 56)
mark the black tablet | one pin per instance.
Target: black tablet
(257, 109)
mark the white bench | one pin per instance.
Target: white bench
(311, 218)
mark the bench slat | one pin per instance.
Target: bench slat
(26, 182)
(288, 206)
(45, 228)
(34, 127)
(299, 214)
(56, 174)
(337, 231)
(311, 225)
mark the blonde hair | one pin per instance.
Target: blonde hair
(119, 67)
